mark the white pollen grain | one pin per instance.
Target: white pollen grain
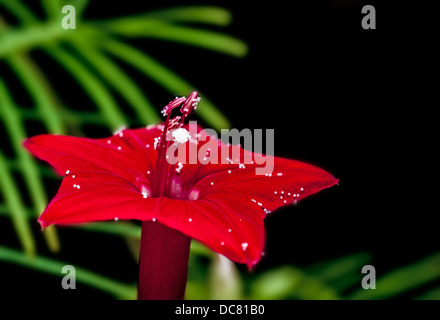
(244, 246)
(116, 218)
(67, 171)
(119, 148)
(190, 220)
(181, 135)
(229, 230)
(179, 167)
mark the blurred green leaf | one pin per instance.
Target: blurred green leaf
(195, 14)
(122, 83)
(16, 209)
(192, 36)
(289, 282)
(224, 280)
(341, 273)
(433, 294)
(92, 85)
(52, 9)
(402, 280)
(117, 289)
(40, 91)
(20, 10)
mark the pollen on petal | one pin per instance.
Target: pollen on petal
(179, 167)
(156, 142)
(244, 246)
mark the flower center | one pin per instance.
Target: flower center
(163, 175)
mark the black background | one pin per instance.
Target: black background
(354, 102)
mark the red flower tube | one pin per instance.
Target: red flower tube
(129, 176)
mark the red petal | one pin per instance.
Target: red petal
(129, 154)
(229, 228)
(232, 197)
(97, 196)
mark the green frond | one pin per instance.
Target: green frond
(54, 267)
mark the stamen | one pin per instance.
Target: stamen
(173, 104)
(174, 123)
(164, 173)
(190, 104)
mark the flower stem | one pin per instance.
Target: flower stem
(163, 262)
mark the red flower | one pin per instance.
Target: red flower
(126, 176)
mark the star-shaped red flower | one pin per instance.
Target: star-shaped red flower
(222, 205)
